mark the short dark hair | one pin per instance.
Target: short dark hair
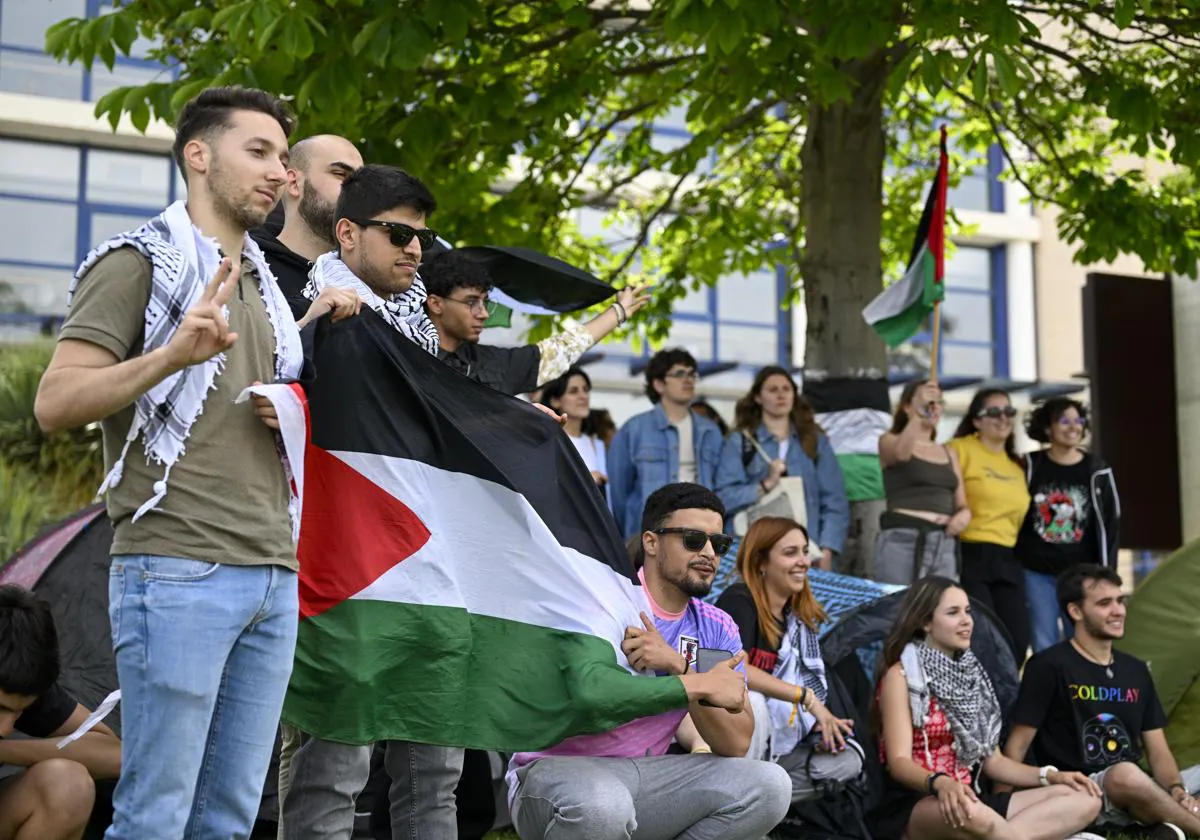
(681, 495)
(376, 188)
(451, 270)
(1071, 586)
(207, 115)
(1050, 412)
(660, 363)
(29, 659)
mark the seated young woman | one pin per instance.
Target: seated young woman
(940, 726)
(778, 618)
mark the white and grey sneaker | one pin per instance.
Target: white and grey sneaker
(1085, 835)
(1167, 831)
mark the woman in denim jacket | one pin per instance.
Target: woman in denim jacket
(776, 417)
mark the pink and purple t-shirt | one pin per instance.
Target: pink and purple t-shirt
(699, 625)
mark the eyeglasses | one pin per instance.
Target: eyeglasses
(1072, 421)
(483, 305)
(401, 234)
(995, 412)
(694, 540)
(683, 374)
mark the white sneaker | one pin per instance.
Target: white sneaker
(1167, 831)
(1085, 835)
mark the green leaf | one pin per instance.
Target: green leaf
(367, 33)
(297, 39)
(456, 20)
(981, 82)
(140, 117)
(222, 19)
(60, 35)
(108, 53)
(124, 32)
(1124, 11)
(186, 91)
(1005, 74)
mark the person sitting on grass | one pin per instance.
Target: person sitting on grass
(941, 720)
(1086, 707)
(45, 793)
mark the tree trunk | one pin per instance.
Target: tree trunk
(842, 269)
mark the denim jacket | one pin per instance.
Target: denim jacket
(644, 456)
(824, 489)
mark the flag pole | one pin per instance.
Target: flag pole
(935, 342)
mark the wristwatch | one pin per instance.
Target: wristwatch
(1044, 774)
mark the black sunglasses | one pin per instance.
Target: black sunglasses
(995, 412)
(694, 540)
(401, 234)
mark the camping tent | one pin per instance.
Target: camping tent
(67, 565)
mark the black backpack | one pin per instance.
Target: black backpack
(840, 811)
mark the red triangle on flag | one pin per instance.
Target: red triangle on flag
(352, 531)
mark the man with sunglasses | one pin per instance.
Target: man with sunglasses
(610, 784)
(668, 443)
(459, 306)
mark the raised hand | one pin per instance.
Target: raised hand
(633, 298)
(726, 687)
(647, 650)
(204, 332)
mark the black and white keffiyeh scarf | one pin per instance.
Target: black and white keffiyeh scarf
(964, 692)
(183, 262)
(405, 312)
(799, 663)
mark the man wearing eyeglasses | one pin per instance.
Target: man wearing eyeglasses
(668, 443)
(459, 306)
(613, 783)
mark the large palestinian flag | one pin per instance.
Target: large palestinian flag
(461, 582)
(854, 413)
(900, 311)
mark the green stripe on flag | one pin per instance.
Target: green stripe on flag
(909, 320)
(462, 669)
(498, 316)
(863, 476)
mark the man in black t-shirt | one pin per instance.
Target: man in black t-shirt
(1084, 706)
(45, 793)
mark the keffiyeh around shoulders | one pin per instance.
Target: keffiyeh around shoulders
(183, 261)
(963, 690)
(405, 312)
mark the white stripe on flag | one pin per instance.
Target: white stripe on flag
(855, 431)
(293, 428)
(902, 294)
(491, 554)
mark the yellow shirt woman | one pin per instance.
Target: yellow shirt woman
(996, 492)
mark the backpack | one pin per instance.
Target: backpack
(840, 811)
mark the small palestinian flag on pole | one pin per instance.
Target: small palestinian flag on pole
(461, 582)
(900, 311)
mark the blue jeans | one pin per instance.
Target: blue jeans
(204, 653)
(1044, 612)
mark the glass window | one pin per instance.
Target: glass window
(23, 23)
(748, 345)
(104, 80)
(969, 268)
(37, 231)
(748, 297)
(694, 303)
(107, 225)
(959, 360)
(967, 316)
(39, 75)
(972, 192)
(693, 336)
(127, 178)
(44, 169)
(40, 290)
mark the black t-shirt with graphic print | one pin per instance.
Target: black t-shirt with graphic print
(739, 603)
(1085, 720)
(1060, 527)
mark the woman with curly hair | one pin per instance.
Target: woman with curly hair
(778, 617)
(1075, 515)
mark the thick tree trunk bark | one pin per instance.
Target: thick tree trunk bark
(842, 202)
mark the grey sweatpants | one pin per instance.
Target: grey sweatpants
(692, 797)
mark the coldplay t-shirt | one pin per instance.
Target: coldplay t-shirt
(1086, 720)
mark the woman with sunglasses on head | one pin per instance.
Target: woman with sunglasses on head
(571, 395)
(777, 436)
(778, 618)
(1075, 515)
(939, 722)
(994, 480)
(926, 504)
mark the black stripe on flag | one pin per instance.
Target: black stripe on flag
(845, 393)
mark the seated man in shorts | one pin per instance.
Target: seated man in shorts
(45, 793)
(621, 783)
(1085, 706)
